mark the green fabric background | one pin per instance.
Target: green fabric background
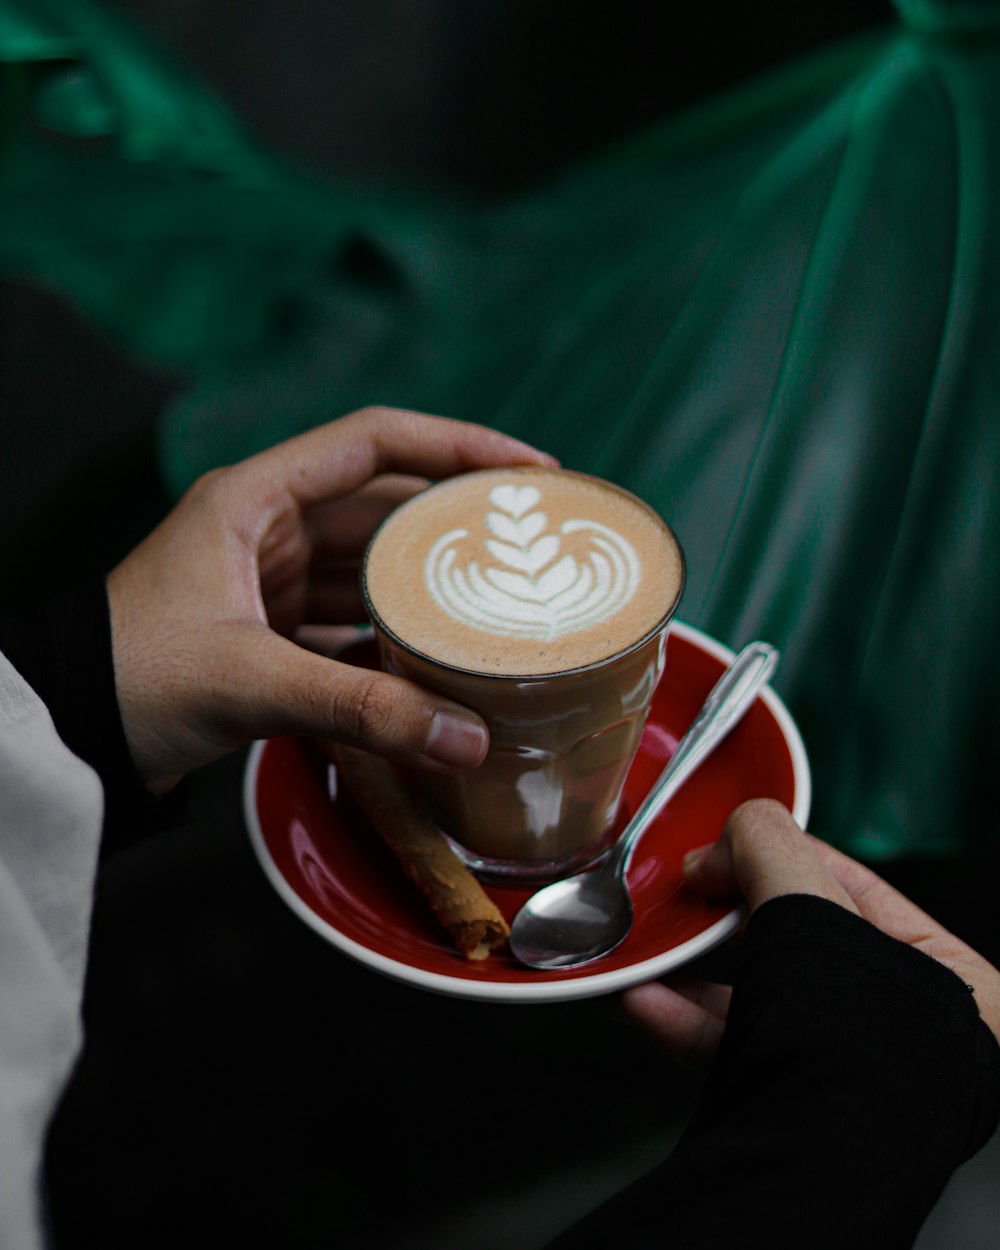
(774, 317)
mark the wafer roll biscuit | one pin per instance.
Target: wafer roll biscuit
(459, 902)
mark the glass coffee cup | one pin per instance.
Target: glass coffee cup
(541, 599)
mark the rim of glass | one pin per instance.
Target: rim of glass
(660, 625)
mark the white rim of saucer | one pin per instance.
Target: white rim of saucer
(585, 983)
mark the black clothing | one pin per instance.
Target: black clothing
(63, 651)
(854, 1076)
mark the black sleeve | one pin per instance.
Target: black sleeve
(854, 1076)
(63, 651)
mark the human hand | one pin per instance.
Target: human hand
(206, 611)
(761, 854)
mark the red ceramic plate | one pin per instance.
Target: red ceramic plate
(334, 872)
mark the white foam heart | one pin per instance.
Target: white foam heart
(515, 500)
(528, 560)
(520, 533)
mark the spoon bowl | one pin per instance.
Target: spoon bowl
(573, 921)
(583, 917)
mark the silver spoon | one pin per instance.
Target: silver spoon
(585, 916)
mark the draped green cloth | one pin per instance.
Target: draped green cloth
(775, 317)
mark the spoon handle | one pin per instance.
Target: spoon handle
(730, 697)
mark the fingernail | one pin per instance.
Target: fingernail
(692, 858)
(457, 738)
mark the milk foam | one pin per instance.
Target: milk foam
(532, 589)
(528, 560)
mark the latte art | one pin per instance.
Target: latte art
(522, 570)
(533, 589)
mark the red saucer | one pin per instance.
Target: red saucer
(334, 871)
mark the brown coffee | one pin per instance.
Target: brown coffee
(540, 598)
(523, 571)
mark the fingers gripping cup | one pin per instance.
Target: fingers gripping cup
(540, 598)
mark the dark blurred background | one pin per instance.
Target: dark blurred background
(487, 95)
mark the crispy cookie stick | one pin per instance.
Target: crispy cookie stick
(456, 897)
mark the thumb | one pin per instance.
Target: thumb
(280, 688)
(762, 853)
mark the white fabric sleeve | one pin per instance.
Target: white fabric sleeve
(51, 807)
